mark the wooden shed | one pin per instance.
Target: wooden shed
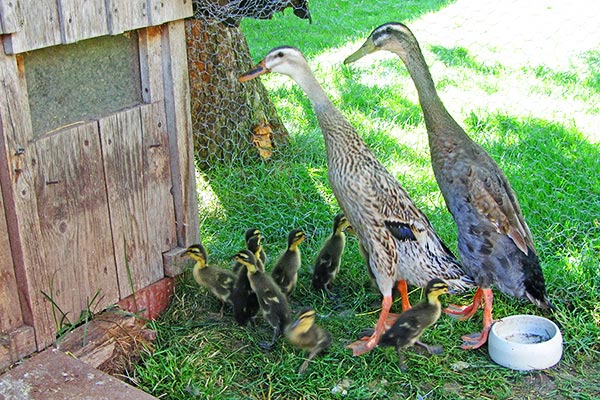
(96, 167)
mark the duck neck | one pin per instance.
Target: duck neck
(326, 112)
(435, 113)
(315, 93)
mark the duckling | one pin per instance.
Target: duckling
(271, 300)
(243, 298)
(305, 334)
(285, 271)
(218, 281)
(409, 326)
(256, 233)
(327, 264)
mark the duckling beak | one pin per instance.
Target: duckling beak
(367, 48)
(294, 324)
(259, 69)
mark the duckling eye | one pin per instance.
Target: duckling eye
(280, 54)
(388, 29)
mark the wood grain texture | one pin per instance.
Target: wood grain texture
(162, 11)
(74, 219)
(159, 205)
(151, 69)
(122, 148)
(10, 307)
(126, 15)
(11, 17)
(177, 104)
(16, 344)
(18, 189)
(136, 163)
(81, 20)
(40, 27)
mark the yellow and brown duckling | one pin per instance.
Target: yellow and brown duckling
(306, 335)
(255, 234)
(217, 280)
(243, 299)
(327, 264)
(411, 324)
(271, 300)
(285, 271)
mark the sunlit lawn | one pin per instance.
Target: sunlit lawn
(521, 86)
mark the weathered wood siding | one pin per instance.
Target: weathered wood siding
(74, 219)
(91, 207)
(44, 23)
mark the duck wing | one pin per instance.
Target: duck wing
(493, 198)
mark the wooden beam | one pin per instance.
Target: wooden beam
(179, 123)
(18, 190)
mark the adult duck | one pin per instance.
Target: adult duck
(494, 241)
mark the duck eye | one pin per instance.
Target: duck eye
(280, 54)
(388, 29)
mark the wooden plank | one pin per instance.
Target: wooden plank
(82, 19)
(53, 375)
(16, 344)
(20, 202)
(73, 210)
(162, 11)
(40, 27)
(11, 18)
(10, 309)
(173, 262)
(122, 148)
(159, 204)
(127, 15)
(150, 47)
(179, 124)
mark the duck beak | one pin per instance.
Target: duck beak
(259, 69)
(367, 48)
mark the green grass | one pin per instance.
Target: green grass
(537, 120)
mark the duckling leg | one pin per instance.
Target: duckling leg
(267, 345)
(475, 341)
(310, 357)
(363, 346)
(466, 312)
(401, 360)
(433, 349)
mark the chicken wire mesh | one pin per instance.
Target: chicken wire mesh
(522, 78)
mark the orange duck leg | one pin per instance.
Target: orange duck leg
(365, 345)
(476, 340)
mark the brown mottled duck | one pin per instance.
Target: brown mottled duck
(217, 280)
(494, 241)
(398, 239)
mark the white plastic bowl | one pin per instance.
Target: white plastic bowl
(525, 342)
